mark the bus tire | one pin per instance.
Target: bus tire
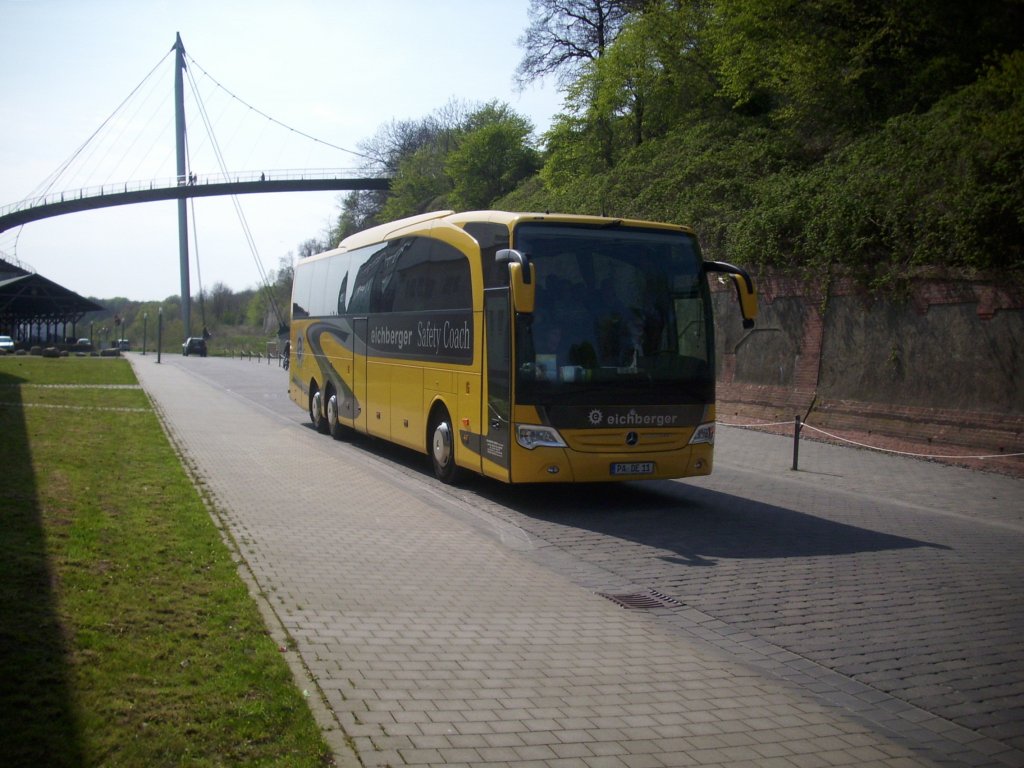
(442, 448)
(334, 426)
(316, 409)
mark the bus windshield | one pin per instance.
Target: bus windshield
(622, 316)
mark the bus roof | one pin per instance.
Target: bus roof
(510, 218)
(415, 224)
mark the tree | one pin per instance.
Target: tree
(563, 36)
(360, 209)
(419, 185)
(493, 156)
(307, 248)
(220, 299)
(412, 153)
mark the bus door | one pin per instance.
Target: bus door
(360, 329)
(497, 400)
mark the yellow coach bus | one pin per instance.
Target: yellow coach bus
(526, 347)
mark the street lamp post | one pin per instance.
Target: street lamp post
(159, 334)
(145, 323)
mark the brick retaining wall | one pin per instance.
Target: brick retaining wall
(949, 380)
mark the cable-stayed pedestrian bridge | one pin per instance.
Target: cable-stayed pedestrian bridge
(103, 196)
(174, 188)
(117, 143)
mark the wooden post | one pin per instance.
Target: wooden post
(796, 443)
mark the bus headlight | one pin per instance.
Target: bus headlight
(705, 433)
(532, 436)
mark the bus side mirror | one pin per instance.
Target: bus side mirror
(745, 291)
(521, 274)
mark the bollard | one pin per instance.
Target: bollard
(796, 443)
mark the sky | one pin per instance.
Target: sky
(336, 70)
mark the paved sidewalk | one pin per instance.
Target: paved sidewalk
(436, 635)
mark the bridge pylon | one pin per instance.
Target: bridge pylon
(179, 137)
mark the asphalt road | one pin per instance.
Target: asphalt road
(872, 580)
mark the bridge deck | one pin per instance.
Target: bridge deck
(124, 194)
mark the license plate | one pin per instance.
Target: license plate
(633, 468)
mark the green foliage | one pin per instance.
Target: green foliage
(938, 189)
(829, 68)
(491, 158)
(225, 307)
(360, 209)
(420, 185)
(457, 159)
(574, 153)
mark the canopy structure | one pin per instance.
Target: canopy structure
(34, 309)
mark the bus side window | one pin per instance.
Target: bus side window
(300, 292)
(319, 303)
(386, 283)
(413, 277)
(455, 287)
(337, 280)
(432, 275)
(365, 264)
(342, 291)
(492, 238)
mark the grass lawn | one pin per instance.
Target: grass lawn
(127, 636)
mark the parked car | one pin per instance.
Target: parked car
(6, 343)
(194, 345)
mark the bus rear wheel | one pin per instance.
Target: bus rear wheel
(316, 409)
(334, 425)
(442, 449)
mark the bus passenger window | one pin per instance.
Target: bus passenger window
(319, 303)
(366, 263)
(492, 238)
(337, 279)
(342, 292)
(300, 292)
(432, 275)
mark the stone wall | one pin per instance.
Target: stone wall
(945, 366)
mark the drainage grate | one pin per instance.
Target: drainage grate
(643, 600)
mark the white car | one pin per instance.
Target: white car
(6, 343)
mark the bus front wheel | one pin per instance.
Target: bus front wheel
(316, 409)
(442, 449)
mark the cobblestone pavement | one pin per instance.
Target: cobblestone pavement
(900, 576)
(468, 627)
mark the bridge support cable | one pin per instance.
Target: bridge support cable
(50, 181)
(199, 272)
(264, 280)
(261, 113)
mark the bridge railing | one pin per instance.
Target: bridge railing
(174, 181)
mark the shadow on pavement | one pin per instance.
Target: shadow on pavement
(696, 525)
